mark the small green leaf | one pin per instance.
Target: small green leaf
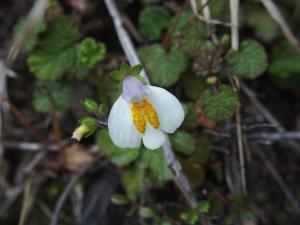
(249, 62)
(33, 39)
(203, 206)
(190, 217)
(47, 95)
(191, 37)
(136, 70)
(56, 53)
(131, 181)
(90, 105)
(119, 199)
(90, 126)
(90, 52)
(164, 68)
(146, 212)
(118, 156)
(93, 107)
(152, 20)
(219, 106)
(183, 142)
(117, 75)
(155, 161)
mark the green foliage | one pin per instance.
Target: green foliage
(152, 20)
(179, 21)
(249, 62)
(155, 161)
(191, 37)
(93, 107)
(90, 125)
(119, 199)
(131, 181)
(238, 210)
(90, 52)
(190, 120)
(33, 39)
(183, 142)
(146, 212)
(125, 70)
(56, 52)
(285, 67)
(208, 60)
(192, 217)
(118, 156)
(221, 105)
(194, 86)
(260, 20)
(164, 67)
(49, 96)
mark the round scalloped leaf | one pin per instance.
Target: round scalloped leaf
(163, 67)
(249, 62)
(152, 20)
(60, 92)
(219, 106)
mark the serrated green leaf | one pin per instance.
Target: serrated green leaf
(56, 53)
(191, 37)
(60, 93)
(249, 62)
(183, 142)
(131, 181)
(118, 156)
(219, 106)
(164, 68)
(152, 20)
(33, 39)
(90, 52)
(155, 161)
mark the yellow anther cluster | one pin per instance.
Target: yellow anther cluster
(138, 117)
(141, 111)
(151, 114)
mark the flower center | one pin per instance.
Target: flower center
(142, 112)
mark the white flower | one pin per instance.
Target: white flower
(143, 112)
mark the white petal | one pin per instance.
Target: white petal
(169, 109)
(120, 126)
(153, 138)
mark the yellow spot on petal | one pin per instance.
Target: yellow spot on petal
(138, 117)
(150, 113)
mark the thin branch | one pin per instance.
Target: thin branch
(268, 115)
(234, 16)
(66, 192)
(274, 136)
(285, 189)
(277, 16)
(204, 18)
(179, 177)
